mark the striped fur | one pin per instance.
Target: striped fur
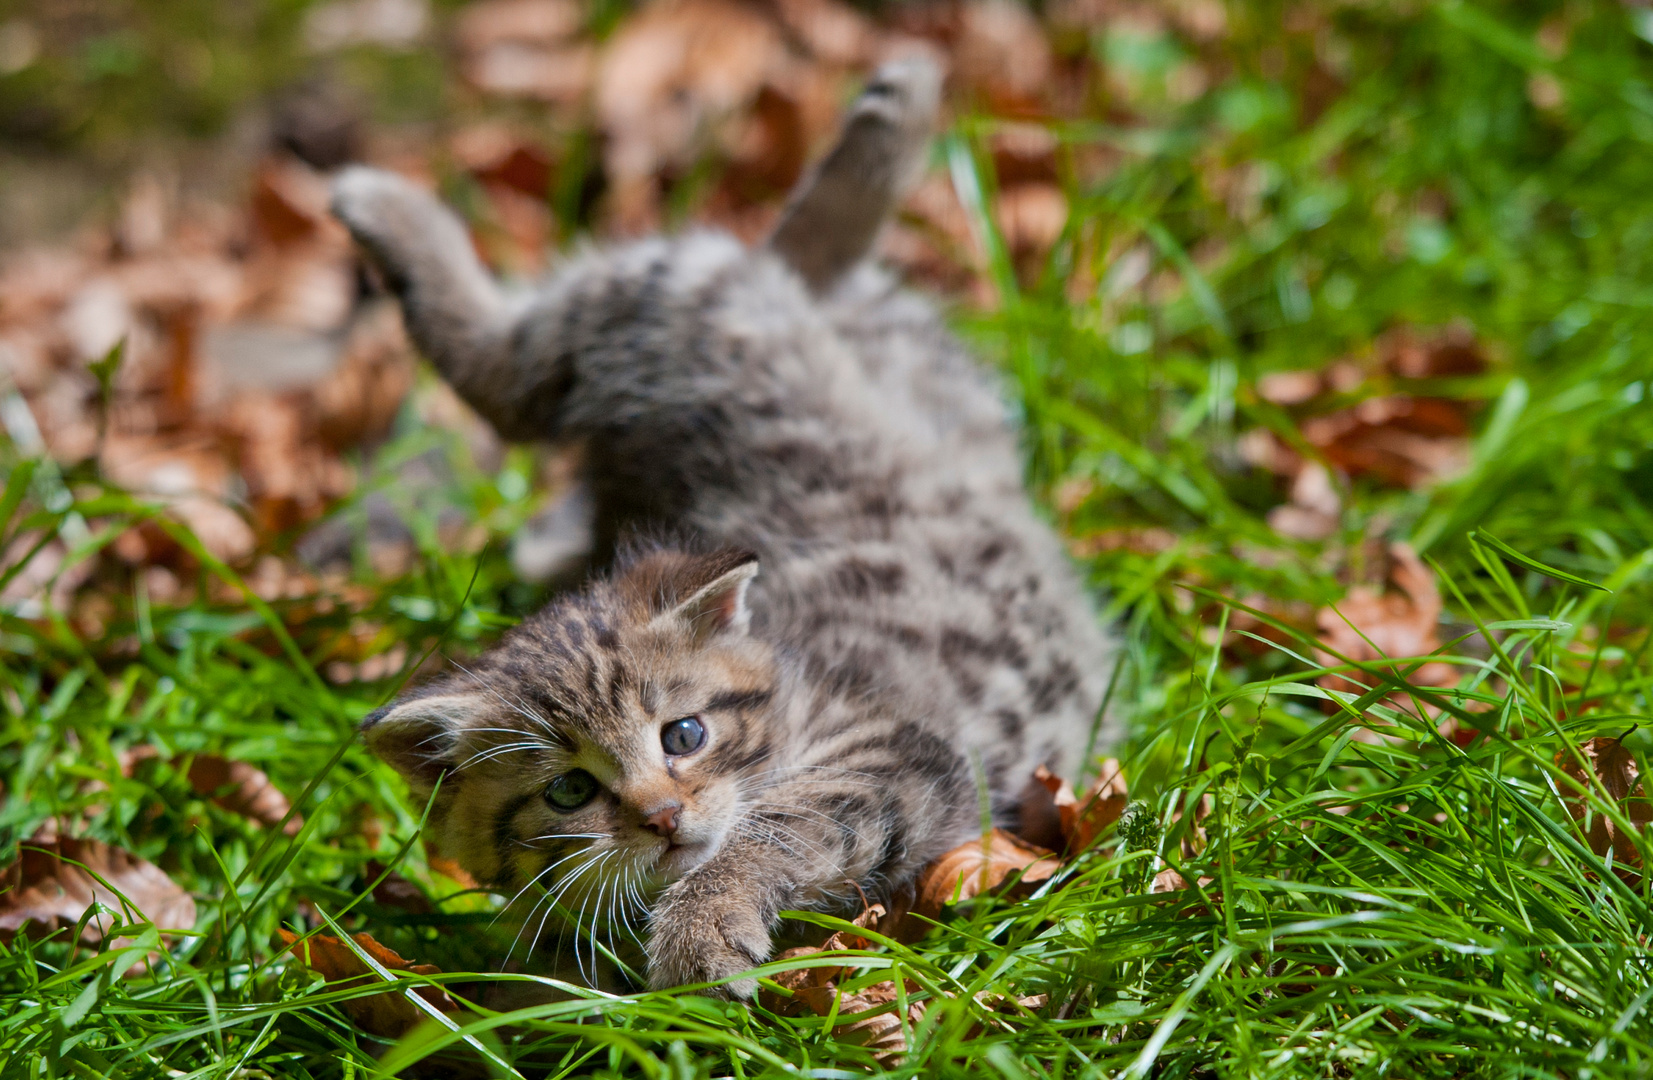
(912, 623)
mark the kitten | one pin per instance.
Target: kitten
(869, 618)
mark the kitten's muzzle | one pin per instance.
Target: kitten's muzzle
(663, 821)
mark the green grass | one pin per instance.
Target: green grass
(1405, 909)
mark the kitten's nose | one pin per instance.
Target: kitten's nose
(664, 820)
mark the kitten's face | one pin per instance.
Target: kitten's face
(615, 737)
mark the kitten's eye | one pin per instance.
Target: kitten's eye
(683, 736)
(571, 790)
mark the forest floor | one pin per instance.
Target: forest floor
(1331, 329)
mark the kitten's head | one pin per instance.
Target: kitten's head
(609, 735)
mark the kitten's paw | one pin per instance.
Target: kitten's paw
(405, 230)
(697, 938)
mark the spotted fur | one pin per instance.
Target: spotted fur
(869, 621)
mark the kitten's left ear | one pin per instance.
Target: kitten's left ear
(420, 736)
(712, 595)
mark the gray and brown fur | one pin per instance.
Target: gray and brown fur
(870, 614)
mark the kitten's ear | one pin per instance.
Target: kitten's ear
(419, 737)
(709, 596)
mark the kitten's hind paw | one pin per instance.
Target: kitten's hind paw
(834, 214)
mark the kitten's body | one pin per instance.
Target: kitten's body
(913, 620)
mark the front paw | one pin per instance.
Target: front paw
(702, 936)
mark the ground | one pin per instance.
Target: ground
(1331, 329)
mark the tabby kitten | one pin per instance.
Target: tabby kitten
(867, 622)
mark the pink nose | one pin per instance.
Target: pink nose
(664, 820)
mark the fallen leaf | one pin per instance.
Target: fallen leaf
(1047, 810)
(526, 48)
(1002, 51)
(814, 989)
(1290, 387)
(831, 31)
(1103, 804)
(395, 890)
(490, 23)
(1315, 509)
(1397, 619)
(389, 1014)
(1170, 881)
(1024, 153)
(666, 77)
(46, 891)
(980, 866)
(1451, 353)
(242, 789)
(1031, 218)
(1615, 766)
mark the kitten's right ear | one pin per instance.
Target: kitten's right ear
(419, 737)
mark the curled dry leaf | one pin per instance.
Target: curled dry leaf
(242, 789)
(1102, 805)
(395, 890)
(815, 990)
(1053, 816)
(46, 891)
(1616, 768)
(1374, 623)
(389, 1014)
(980, 866)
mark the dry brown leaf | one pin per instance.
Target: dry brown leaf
(1047, 810)
(1401, 440)
(395, 890)
(1616, 768)
(1002, 51)
(831, 31)
(495, 154)
(491, 23)
(666, 76)
(1102, 805)
(815, 989)
(242, 789)
(1315, 509)
(1451, 353)
(1170, 881)
(1031, 218)
(980, 866)
(390, 1014)
(1290, 387)
(1378, 622)
(45, 891)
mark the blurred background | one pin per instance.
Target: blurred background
(1289, 296)
(1286, 293)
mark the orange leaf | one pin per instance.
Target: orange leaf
(979, 866)
(1102, 806)
(389, 1014)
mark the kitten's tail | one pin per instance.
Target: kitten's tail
(455, 312)
(835, 212)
